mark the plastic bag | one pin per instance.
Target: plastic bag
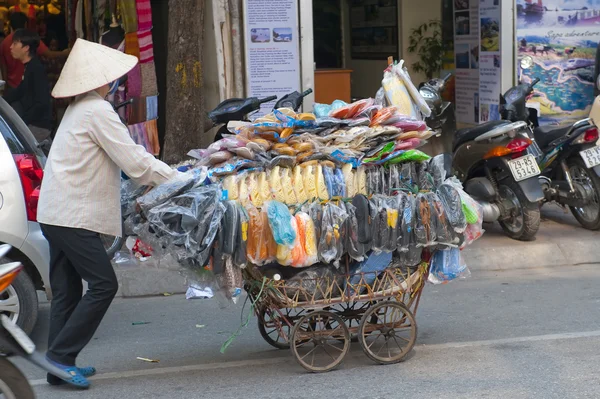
(293, 255)
(257, 246)
(409, 125)
(452, 203)
(473, 213)
(331, 244)
(356, 250)
(329, 181)
(240, 258)
(280, 223)
(364, 273)
(426, 182)
(314, 283)
(322, 110)
(315, 211)
(310, 243)
(189, 222)
(397, 94)
(230, 226)
(385, 116)
(410, 156)
(447, 265)
(172, 188)
(438, 168)
(444, 230)
(417, 98)
(350, 110)
(424, 231)
(380, 99)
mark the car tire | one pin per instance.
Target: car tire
(26, 294)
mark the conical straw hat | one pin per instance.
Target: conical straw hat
(90, 66)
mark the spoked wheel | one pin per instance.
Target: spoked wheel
(587, 183)
(112, 244)
(273, 327)
(523, 221)
(388, 332)
(352, 313)
(320, 341)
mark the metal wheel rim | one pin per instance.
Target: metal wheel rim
(109, 242)
(514, 223)
(590, 212)
(378, 331)
(320, 332)
(5, 391)
(272, 324)
(9, 304)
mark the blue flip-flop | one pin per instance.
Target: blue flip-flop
(78, 379)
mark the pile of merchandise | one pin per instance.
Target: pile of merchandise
(295, 194)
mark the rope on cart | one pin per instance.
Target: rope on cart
(244, 323)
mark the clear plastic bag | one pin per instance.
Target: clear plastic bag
(425, 229)
(410, 156)
(314, 283)
(437, 168)
(172, 188)
(260, 246)
(356, 250)
(331, 244)
(189, 222)
(351, 110)
(417, 98)
(366, 271)
(410, 144)
(380, 99)
(280, 222)
(452, 203)
(447, 265)
(409, 124)
(397, 94)
(240, 258)
(305, 224)
(426, 181)
(444, 230)
(230, 226)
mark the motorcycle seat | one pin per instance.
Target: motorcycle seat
(544, 135)
(464, 135)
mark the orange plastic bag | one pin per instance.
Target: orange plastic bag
(351, 110)
(383, 115)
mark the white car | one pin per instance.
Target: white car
(21, 172)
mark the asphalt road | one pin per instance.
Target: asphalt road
(517, 334)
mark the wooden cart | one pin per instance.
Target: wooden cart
(318, 318)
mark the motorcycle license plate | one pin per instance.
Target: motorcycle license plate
(591, 157)
(524, 167)
(19, 335)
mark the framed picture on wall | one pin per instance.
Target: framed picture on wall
(374, 29)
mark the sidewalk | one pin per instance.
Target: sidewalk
(561, 241)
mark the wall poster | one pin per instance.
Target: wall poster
(466, 53)
(490, 73)
(562, 37)
(272, 46)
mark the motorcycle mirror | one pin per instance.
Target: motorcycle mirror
(598, 82)
(526, 62)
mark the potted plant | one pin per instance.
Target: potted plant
(426, 41)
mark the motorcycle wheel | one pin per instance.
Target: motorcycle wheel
(13, 384)
(524, 221)
(588, 216)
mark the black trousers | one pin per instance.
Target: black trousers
(76, 254)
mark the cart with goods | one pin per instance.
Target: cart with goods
(331, 222)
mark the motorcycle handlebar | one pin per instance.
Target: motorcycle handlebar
(535, 81)
(307, 92)
(268, 99)
(447, 77)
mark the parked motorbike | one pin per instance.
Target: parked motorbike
(14, 342)
(237, 109)
(442, 112)
(569, 159)
(492, 161)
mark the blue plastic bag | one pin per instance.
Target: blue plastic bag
(280, 221)
(447, 265)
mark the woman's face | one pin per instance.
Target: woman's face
(54, 45)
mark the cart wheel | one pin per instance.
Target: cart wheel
(352, 313)
(387, 332)
(320, 340)
(274, 329)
